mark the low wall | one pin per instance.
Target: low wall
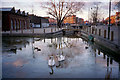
(102, 42)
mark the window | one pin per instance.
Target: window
(11, 24)
(15, 25)
(25, 25)
(20, 24)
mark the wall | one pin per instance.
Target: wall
(45, 25)
(119, 35)
(101, 28)
(14, 21)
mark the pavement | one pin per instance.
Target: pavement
(34, 30)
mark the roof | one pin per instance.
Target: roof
(14, 11)
(5, 9)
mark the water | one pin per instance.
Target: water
(24, 57)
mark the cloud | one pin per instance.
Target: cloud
(35, 5)
(55, 0)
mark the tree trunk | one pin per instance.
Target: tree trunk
(59, 24)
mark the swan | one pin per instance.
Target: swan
(51, 61)
(61, 57)
(58, 57)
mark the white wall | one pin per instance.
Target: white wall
(119, 36)
(45, 25)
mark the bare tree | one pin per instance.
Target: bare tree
(61, 9)
(117, 4)
(96, 13)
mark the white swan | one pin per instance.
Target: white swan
(60, 57)
(51, 61)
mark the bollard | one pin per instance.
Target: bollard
(87, 29)
(112, 35)
(51, 30)
(92, 30)
(99, 32)
(104, 33)
(44, 30)
(59, 45)
(55, 29)
(95, 31)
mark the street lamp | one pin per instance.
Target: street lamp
(109, 19)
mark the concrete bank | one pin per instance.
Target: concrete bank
(104, 43)
(38, 34)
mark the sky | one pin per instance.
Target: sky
(29, 5)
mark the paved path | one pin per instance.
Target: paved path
(35, 30)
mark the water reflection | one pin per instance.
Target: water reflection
(12, 44)
(55, 60)
(61, 55)
(108, 74)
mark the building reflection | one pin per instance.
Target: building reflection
(14, 44)
(104, 56)
(59, 47)
(108, 74)
(109, 69)
(107, 61)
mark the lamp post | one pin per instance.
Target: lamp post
(109, 19)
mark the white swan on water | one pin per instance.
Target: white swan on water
(61, 57)
(51, 61)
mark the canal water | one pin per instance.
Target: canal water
(59, 57)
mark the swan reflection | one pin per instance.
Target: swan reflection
(55, 60)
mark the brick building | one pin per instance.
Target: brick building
(114, 19)
(14, 19)
(117, 18)
(70, 19)
(52, 22)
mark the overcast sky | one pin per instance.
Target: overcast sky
(29, 5)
